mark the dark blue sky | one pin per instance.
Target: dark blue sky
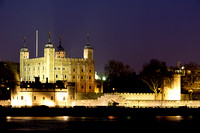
(131, 31)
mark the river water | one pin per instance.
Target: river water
(164, 124)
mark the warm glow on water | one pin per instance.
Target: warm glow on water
(170, 118)
(108, 123)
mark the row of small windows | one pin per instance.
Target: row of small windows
(43, 98)
(65, 76)
(38, 68)
(34, 68)
(59, 68)
(82, 87)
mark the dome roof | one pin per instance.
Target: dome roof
(88, 46)
(24, 49)
(60, 48)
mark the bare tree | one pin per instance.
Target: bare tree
(154, 74)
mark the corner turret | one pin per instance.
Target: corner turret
(60, 51)
(24, 54)
(49, 57)
(88, 50)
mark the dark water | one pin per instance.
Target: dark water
(164, 124)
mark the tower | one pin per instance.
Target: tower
(24, 54)
(60, 51)
(88, 50)
(172, 89)
(49, 55)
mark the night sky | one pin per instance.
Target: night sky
(131, 31)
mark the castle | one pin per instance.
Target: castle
(54, 66)
(54, 80)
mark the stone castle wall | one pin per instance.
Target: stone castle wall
(135, 100)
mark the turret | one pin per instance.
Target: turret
(88, 50)
(60, 51)
(49, 55)
(24, 54)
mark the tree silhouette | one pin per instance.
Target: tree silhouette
(120, 77)
(154, 73)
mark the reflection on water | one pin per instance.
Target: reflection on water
(170, 118)
(109, 123)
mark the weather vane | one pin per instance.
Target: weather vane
(24, 41)
(88, 38)
(49, 37)
(60, 40)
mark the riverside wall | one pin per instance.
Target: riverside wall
(136, 100)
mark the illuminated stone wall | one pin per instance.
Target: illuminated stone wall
(172, 89)
(78, 70)
(104, 101)
(60, 97)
